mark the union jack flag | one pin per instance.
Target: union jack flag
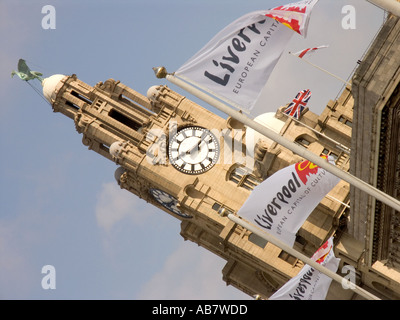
(298, 104)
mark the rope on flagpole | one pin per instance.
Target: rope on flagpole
(321, 69)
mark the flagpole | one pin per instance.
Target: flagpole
(301, 151)
(323, 70)
(333, 275)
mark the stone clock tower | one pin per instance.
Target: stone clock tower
(193, 165)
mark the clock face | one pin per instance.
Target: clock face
(193, 150)
(168, 202)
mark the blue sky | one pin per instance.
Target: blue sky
(60, 204)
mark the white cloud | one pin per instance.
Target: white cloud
(115, 204)
(190, 273)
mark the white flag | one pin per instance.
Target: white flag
(308, 51)
(236, 64)
(282, 203)
(310, 284)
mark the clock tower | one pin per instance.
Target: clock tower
(194, 165)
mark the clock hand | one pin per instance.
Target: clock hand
(188, 151)
(197, 145)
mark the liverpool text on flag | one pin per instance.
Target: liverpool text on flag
(232, 57)
(282, 203)
(310, 284)
(236, 63)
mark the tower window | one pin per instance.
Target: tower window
(219, 208)
(216, 206)
(287, 257)
(327, 152)
(124, 119)
(79, 96)
(104, 148)
(68, 103)
(345, 121)
(303, 142)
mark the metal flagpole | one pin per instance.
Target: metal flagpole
(323, 70)
(301, 151)
(346, 283)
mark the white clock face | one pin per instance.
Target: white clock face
(193, 150)
(168, 202)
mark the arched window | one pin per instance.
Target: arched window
(303, 141)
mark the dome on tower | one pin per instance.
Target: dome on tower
(271, 122)
(49, 86)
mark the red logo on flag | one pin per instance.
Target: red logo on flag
(304, 169)
(323, 251)
(290, 16)
(294, 8)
